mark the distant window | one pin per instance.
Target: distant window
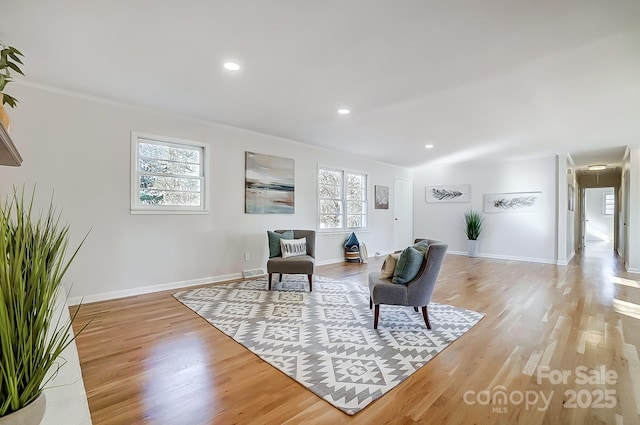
(167, 175)
(608, 203)
(342, 199)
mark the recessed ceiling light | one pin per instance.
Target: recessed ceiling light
(597, 167)
(231, 66)
(428, 146)
(344, 111)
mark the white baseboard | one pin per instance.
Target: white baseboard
(450, 251)
(332, 261)
(507, 257)
(567, 261)
(342, 259)
(382, 254)
(111, 295)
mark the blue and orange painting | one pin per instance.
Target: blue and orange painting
(269, 184)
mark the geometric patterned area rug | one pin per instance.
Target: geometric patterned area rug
(325, 339)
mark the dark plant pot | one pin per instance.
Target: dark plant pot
(31, 414)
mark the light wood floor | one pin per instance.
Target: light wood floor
(150, 360)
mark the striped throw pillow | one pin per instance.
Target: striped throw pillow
(293, 247)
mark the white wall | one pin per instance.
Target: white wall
(80, 146)
(632, 234)
(522, 236)
(571, 215)
(566, 232)
(599, 227)
(623, 217)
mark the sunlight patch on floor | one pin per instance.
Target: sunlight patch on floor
(625, 282)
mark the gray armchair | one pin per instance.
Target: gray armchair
(301, 264)
(417, 292)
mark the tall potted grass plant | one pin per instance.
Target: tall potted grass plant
(473, 221)
(32, 336)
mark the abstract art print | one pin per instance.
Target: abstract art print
(269, 184)
(448, 193)
(382, 197)
(512, 202)
(571, 198)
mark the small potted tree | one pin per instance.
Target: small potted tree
(473, 227)
(9, 61)
(33, 248)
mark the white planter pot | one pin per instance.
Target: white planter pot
(31, 414)
(472, 248)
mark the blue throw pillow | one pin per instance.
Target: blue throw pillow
(274, 242)
(408, 265)
(422, 246)
(352, 241)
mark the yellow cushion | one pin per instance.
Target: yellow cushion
(389, 266)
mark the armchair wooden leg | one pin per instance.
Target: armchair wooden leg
(270, 275)
(310, 276)
(370, 302)
(415, 308)
(280, 279)
(376, 313)
(425, 314)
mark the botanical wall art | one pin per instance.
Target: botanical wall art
(571, 198)
(448, 193)
(382, 197)
(269, 184)
(512, 202)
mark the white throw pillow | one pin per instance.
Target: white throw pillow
(293, 247)
(389, 266)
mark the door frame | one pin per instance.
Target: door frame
(398, 203)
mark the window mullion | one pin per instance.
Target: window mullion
(163, 190)
(179, 176)
(352, 187)
(173, 161)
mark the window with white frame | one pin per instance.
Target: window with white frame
(608, 203)
(167, 175)
(342, 199)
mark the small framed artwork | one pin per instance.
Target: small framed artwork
(512, 202)
(448, 193)
(571, 198)
(381, 194)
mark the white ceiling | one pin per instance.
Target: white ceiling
(488, 80)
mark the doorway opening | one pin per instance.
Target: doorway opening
(599, 217)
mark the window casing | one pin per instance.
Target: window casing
(342, 199)
(608, 203)
(168, 176)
